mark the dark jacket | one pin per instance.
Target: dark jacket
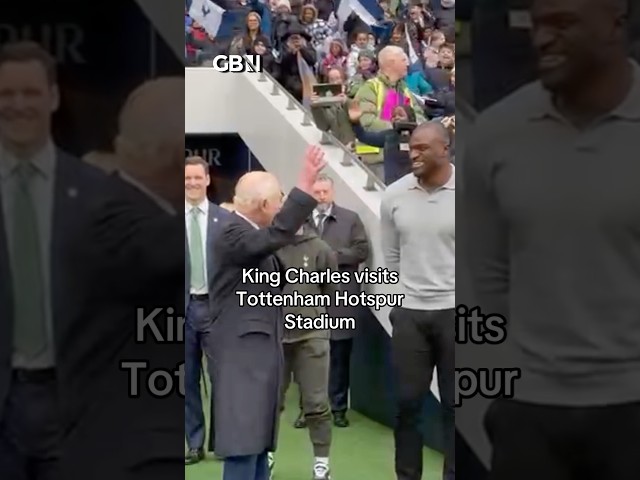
(344, 232)
(396, 161)
(288, 71)
(248, 358)
(311, 254)
(106, 262)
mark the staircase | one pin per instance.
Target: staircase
(277, 130)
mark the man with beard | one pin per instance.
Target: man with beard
(418, 239)
(552, 206)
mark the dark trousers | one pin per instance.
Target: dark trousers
(30, 429)
(250, 467)
(196, 340)
(422, 341)
(339, 374)
(532, 442)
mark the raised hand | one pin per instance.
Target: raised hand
(312, 165)
(355, 113)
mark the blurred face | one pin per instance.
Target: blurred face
(365, 63)
(336, 49)
(308, 15)
(196, 181)
(400, 115)
(371, 39)
(428, 152)
(334, 76)
(573, 38)
(398, 65)
(282, 9)
(396, 36)
(415, 13)
(253, 24)
(27, 101)
(446, 56)
(296, 41)
(361, 40)
(437, 39)
(323, 193)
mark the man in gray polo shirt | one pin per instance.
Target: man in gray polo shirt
(418, 237)
(551, 196)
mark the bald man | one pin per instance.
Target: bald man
(248, 357)
(379, 97)
(418, 239)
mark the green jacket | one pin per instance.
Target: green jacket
(368, 98)
(335, 120)
(312, 254)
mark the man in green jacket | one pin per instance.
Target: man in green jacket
(306, 346)
(379, 97)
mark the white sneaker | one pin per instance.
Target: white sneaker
(321, 472)
(272, 463)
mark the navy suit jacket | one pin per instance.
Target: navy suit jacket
(216, 218)
(114, 251)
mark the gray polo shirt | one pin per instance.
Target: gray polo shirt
(419, 241)
(552, 215)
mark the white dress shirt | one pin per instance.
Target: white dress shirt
(203, 221)
(316, 215)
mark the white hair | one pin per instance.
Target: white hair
(388, 53)
(151, 121)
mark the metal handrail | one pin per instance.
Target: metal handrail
(348, 157)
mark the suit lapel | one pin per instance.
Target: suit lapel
(6, 292)
(213, 223)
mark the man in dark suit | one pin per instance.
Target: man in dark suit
(344, 231)
(67, 315)
(203, 219)
(248, 357)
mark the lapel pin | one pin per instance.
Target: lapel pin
(215, 219)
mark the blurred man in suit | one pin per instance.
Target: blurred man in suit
(248, 357)
(203, 220)
(343, 230)
(76, 260)
(30, 193)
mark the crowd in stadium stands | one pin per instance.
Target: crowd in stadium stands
(412, 82)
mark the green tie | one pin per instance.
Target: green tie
(196, 255)
(30, 332)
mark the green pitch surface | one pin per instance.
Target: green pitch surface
(362, 451)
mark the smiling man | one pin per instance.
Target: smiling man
(202, 220)
(418, 239)
(551, 201)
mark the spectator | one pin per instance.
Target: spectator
(268, 61)
(315, 27)
(366, 70)
(297, 44)
(361, 45)
(378, 98)
(282, 22)
(337, 57)
(333, 117)
(243, 44)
